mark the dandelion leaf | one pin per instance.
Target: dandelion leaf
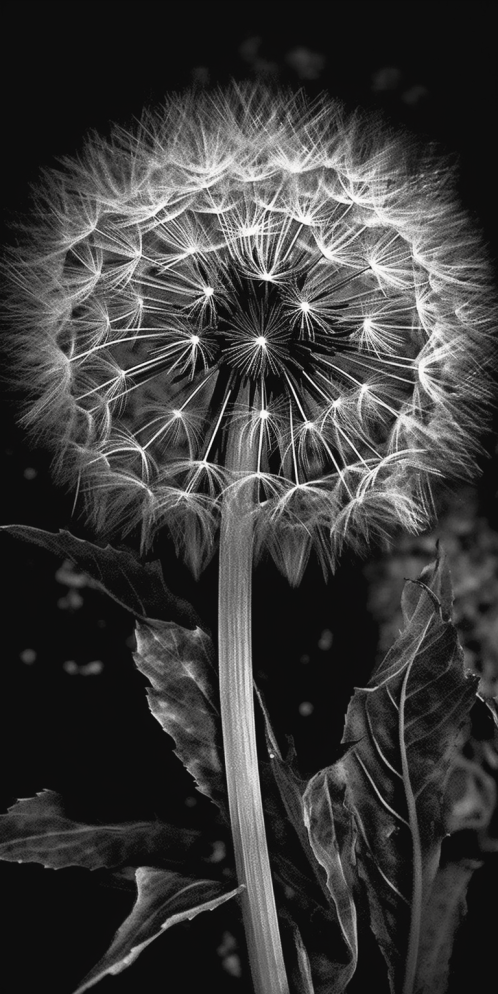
(332, 837)
(138, 587)
(310, 836)
(38, 830)
(402, 729)
(163, 899)
(184, 699)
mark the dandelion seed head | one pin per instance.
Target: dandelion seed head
(253, 290)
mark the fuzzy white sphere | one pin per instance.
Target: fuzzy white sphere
(254, 291)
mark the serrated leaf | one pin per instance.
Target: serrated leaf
(37, 830)
(402, 729)
(138, 587)
(179, 664)
(163, 899)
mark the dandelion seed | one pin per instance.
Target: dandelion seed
(254, 292)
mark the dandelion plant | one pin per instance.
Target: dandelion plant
(262, 325)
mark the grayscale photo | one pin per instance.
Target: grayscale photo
(249, 522)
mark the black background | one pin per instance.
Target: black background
(68, 68)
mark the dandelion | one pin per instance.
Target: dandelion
(261, 319)
(256, 293)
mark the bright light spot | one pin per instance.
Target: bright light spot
(194, 339)
(28, 656)
(208, 291)
(306, 708)
(326, 639)
(219, 852)
(264, 415)
(261, 341)
(367, 325)
(364, 389)
(247, 230)
(305, 307)
(177, 414)
(87, 669)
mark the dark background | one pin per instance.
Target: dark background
(74, 714)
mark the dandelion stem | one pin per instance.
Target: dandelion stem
(239, 738)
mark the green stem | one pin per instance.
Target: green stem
(239, 738)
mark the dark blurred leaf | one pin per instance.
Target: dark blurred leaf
(184, 699)
(164, 899)
(138, 587)
(442, 917)
(37, 830)
(402, 729)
